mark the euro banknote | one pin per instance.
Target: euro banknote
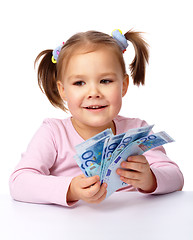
(102, 154)
(110, 146)
(137, 147)
(91, 150)
(113, 145)
(129, 137)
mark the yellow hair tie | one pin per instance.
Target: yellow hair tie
(53, 60)
(120, 38)
(118, 30)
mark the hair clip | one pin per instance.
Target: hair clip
(55, 53)
(121, 39)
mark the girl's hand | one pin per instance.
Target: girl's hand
(87, 189)
(137, 172)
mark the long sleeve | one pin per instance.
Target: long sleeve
(47, 167)
(35, 178)
(168, 175)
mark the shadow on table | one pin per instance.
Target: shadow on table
(130, 200)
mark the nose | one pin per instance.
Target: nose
(94, 92)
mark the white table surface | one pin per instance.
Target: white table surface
(124, 215)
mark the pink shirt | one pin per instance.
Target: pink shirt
(47, 167)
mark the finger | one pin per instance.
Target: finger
(89, 181)
(100, 196)
(100, 193)
(138, 158)
(129, 174)
(92, 191)
(135, 183)
(134, 166)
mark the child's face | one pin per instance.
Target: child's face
(93, 85)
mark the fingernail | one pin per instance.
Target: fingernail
(123, 164)
(122, 178)
(97, 177)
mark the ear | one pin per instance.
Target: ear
(61, 90)
(125, 85)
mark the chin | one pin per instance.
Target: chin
(100, 123)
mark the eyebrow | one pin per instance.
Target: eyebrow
(108, 74)
(76, 76)
(79, 76)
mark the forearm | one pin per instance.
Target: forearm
(168, 176)
(28, 186)
(169, 179)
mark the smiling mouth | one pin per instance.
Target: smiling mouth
(95, 107)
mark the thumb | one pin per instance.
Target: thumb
(89, 181)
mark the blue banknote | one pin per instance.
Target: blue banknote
(112, 144)
(102, 154)
(90, 151)
(129, 137)
(138, 147)
(93, 169)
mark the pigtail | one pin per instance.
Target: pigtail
(47, 78)
(138, 65)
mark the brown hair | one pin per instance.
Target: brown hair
(49, 73)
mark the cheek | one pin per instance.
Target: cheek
(115, 98)
(115, 95)
(73, 99)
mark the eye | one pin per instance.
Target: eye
(79, 83)
(106, 81)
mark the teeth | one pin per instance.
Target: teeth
(95, 107)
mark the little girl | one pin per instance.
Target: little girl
(87, 76)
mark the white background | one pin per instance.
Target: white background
(28, 27)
